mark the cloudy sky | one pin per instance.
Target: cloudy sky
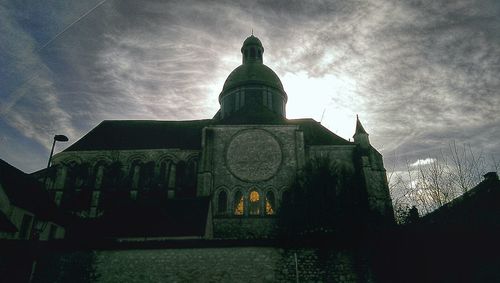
(420, 74)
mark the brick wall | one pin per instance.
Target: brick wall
(244, 228)
(220, 264)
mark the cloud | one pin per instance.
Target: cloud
(419, 73)
(422, 162)
(32, 105)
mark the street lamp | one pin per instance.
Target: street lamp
(59, 138)
(37, 227)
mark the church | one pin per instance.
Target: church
(223, 177)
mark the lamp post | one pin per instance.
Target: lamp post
(60, 138)
(37, 228)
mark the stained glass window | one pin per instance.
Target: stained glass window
(254, 205)
(270, 203)
(239, 206)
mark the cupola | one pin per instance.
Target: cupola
(252, 83)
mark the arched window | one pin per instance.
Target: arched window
(254, 203)
(70, 179)
(180, 175)
(222, 203)
(99, 175)
(164, 173)
(135, 173)
(112, 176)
(239, 204)
(270, 203)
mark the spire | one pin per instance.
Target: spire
(359, 127)
(361, 136)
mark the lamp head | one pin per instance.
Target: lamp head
(61, 138)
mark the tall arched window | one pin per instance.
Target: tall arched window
(164, 173)
(254, 203)
(270, 203)
(180, 176)
(99, 175)
(147, 174)
(71, 176)
(135, 173)
(222, 203)
(112, 176)
(239, 204)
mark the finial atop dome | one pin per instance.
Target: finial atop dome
(252, 50)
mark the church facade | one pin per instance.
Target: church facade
(243, 161)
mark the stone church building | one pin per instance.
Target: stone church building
(233, 169)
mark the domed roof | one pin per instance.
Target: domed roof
(252, 73)
(252, 40)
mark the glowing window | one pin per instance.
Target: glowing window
(270, 203)
(254, 205)
(239, 206)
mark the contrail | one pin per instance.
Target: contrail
(5, 107)
(70, 25)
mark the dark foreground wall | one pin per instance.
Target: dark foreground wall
(217, 264)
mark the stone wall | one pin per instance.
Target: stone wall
(222, 264)
(244, 228)
(252, 157)
(240, 160)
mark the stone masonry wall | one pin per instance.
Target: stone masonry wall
(223, 264)
(244, 228)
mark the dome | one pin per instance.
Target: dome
(252, 40)
(252, 84)
(252, 74)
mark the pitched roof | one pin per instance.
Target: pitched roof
(148, 134)
(142, 134)
(317, 134)
(478, 206)
(26, 192)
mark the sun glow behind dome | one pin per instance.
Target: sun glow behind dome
(333, 95)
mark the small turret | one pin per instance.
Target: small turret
(361, 136)
(252, 50)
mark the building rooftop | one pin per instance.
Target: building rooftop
(25, 192)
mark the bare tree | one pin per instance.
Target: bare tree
(431, 184)
(468, 167)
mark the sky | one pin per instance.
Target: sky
(420, 74)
